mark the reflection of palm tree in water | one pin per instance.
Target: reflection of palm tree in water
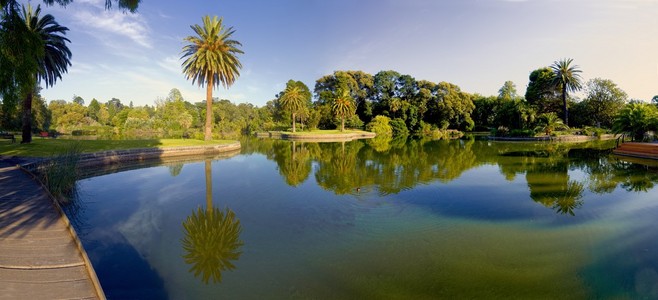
(550, 186)
(212, 238)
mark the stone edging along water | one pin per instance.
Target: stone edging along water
(141, 154)
(317, 137)
(562, 138)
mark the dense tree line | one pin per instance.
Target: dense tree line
(388, 103)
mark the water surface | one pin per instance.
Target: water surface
(377, 219)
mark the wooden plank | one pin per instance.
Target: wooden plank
(39, 256)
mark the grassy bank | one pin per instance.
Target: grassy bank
(50, 147)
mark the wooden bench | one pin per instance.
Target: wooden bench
(8, 136)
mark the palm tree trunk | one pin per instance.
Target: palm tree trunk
(293, 122)
(208, 129)
(564, 105)
(208, 170)
(342, 124)
(27, 118)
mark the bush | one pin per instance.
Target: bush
(381, 126)
(522, 133)
(399, 127)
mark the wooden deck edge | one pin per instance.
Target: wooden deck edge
(88, 266)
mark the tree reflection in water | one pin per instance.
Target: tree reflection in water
(389, 166)
(212, 238)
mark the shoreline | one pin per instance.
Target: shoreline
(111, 157)
(333, 137)
(563, 138)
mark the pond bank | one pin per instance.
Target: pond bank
(309, 137)
(562, 138)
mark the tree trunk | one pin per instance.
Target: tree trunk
(293, 122)
(342, 124)
(208, 186)
(564, 104)
(27, 118)
(208, 129)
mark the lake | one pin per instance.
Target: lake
(376, 219)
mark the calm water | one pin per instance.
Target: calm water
(377, 220)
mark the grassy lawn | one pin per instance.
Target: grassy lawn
(327, 132)
(48, 147)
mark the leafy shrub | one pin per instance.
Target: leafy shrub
(381, 126)
(522, 133)
(399, 127)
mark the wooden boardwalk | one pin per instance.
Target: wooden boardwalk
(40, 257)
(641, 150)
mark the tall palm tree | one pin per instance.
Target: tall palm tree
(54, 61)
(294, 97)
(568, 79)
(211, 60)
(343, 106)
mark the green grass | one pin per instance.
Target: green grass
(50, 147)
(325, 132)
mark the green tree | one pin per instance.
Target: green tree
(54, 62)
(541, 92)
(549, 122)
(342, 106)
(93, 109)
(211, 59)
(295, 98)
(567, 79)
(79, 100)
(635, 119)
(603, 101)
(381, 126)
(507, 91)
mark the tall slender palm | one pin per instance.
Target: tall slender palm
(568, 79)
(51, 65)
(343, 106)
(294, 97)
(211, 60)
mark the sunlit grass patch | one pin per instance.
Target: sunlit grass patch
(51, 147)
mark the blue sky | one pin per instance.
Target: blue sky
(476, 44)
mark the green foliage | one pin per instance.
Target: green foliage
(567, 79)
(399, 128)
(602, 103)
(636, 119)
(342, 106)
(515, 114)
(549, 122)
(507, 91)
(211, 65)
(295, 99)
(381, 126)
(59, 174)
(542, 92)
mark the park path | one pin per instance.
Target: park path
(40, 257)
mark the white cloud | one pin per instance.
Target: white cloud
(171, 63)
(131, 26)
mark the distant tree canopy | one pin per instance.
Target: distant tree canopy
(392, 104)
